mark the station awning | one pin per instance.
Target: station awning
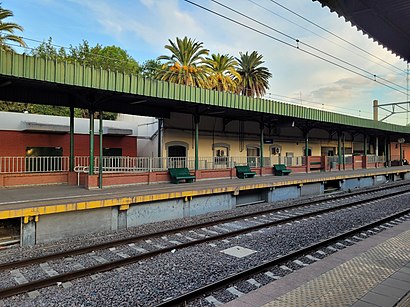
(387, 22)
(41, 127)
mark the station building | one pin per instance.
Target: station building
(207, 131)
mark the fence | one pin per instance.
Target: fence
(33, 164)
(119, 164)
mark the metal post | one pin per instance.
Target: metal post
(375, 110)
(339, 152)
(386, 156)
(376, 145)
(307, 152)
(344, 152)
(100, 164)
(72, 161)
(196, 119)
(160, 122)
(306, 145)
(261, 146)
(401, 153)
(364, 145)
(91, 132)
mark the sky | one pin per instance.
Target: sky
(143, 28)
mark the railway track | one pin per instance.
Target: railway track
(320, 201)
(206, 232)
(249, 273)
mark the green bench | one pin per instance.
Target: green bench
(244, 172)
(181, 173)
(281, 170)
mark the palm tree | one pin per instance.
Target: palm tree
(185, 65)
(7, 31)
(254, 77)
(222, 72)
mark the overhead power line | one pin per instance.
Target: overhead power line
(335, 35)
(299, 42)
(396, 68)
(374, 78)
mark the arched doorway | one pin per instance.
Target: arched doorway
(177, 153)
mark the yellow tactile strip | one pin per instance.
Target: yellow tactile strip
(347, 283)
(150, 193)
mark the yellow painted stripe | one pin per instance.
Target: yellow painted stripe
(126, 201)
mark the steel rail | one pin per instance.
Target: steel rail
(38, 284)
(184, 298)
(91, 248)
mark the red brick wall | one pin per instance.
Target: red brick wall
(14, 143)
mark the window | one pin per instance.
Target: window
(177, 154)
(111, 158)
(252, 153)
(221, 154)
(44, 159)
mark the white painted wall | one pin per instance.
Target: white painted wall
(16, 122)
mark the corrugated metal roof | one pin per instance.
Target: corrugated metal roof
(33, 79)
(385, 21)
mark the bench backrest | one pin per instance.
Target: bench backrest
(176, 172)
(280, 167)
(243, 169)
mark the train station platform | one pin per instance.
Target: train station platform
(372, 273)
(54, 212)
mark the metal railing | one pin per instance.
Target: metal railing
(119, 164)
(33, 164)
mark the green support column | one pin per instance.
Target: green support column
(386, 157)
(307, 151)
(72, 162)
(196, 119)
(344, 151)
(160, 121)
(339, 148)
(401, 153)
(306, 145)
(100, 164)
(91, 166)
(261, 145)
(376, 146)
(364, 145)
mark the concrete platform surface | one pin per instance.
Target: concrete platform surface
(372, 273)
(25, 197)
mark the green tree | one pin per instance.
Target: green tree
(150, 68)
(222, 72)
(254, 77)
(110, 57)
(47, 50)
(186, 64)
(7, 30)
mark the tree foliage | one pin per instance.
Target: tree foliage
(186, 64)
(110, 57)
(254, 76)
(150, 68)
(222, 72)
(7, 30)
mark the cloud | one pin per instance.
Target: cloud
(143, 27)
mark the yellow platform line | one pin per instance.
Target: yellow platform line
(187, 195)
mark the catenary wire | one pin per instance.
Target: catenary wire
(293, 46)
(333, 42)
(335, 35)
(306, 101)
(308, 45)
